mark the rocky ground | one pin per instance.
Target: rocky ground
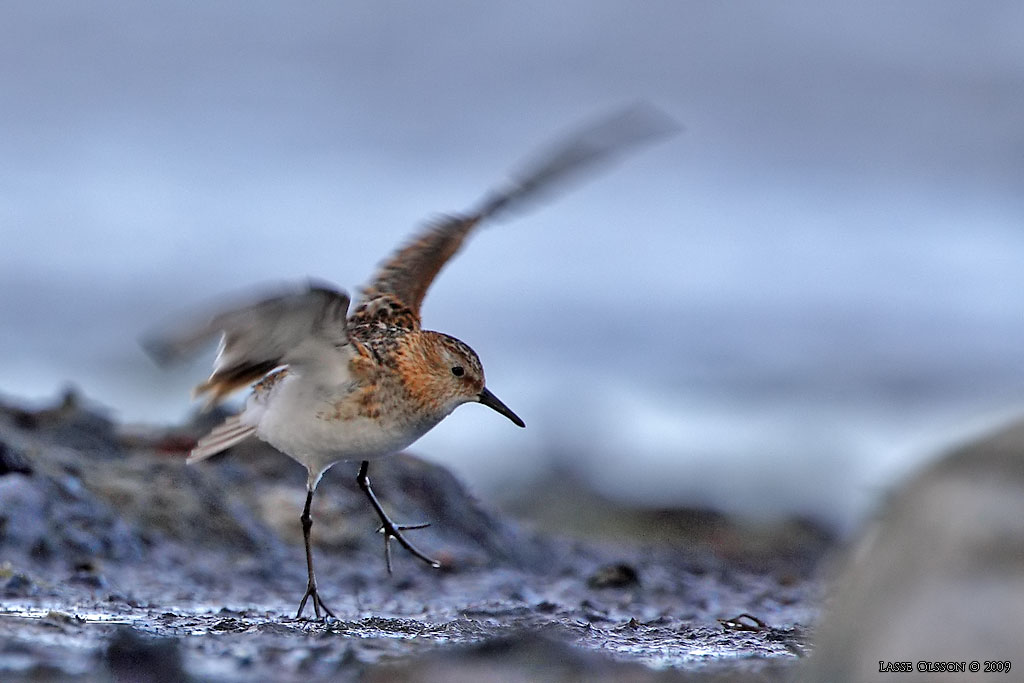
(119, 562)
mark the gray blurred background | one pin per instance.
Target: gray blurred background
(781, 311)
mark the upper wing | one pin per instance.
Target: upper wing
(400, 284)
(301, 328)
(398, 287)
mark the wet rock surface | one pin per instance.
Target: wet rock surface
(116, 559)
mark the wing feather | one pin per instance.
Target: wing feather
(300, 327)
(400, 284)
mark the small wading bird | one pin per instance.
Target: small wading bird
(330, 386)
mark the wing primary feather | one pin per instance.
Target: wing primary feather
(404, 278)
(582, 152)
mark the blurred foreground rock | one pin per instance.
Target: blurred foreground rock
(111, 547)
(938, 577)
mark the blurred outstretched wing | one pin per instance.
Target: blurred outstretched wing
(302, 327)
(400, 284)
(398, 287)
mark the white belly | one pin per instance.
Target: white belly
(300, 421)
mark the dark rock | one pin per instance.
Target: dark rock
(12, 461)
(524, 656)
(71, 421)
(62, 619)
(48, 516)
(131, 657)
(23, 506)
(20, 586)
(88, 574)
(230, 624)
(619, 575)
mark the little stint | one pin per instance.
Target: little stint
(333, 386)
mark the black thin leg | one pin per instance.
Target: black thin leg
(307, 525)
(387, 527)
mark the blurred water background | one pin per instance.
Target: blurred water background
(816, 287)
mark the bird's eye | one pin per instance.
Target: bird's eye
(458, 371)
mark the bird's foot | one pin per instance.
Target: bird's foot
(389, 528)
(318, 603)
(394, 531)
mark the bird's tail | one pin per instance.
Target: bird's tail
(224, 436)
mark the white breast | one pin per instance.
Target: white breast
(298, 417)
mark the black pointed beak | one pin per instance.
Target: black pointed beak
(491, 401)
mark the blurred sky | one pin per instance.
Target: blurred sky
(814, 288)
